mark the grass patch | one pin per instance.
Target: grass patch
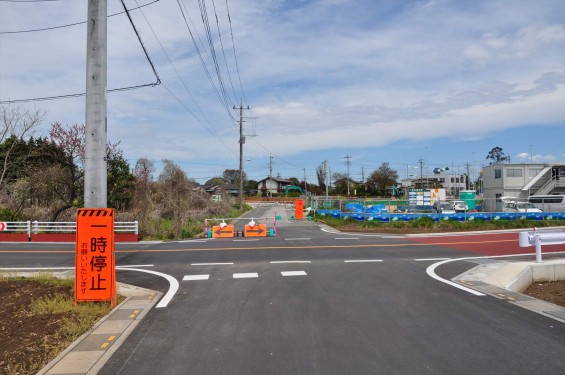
(426, 224)
(39, 319)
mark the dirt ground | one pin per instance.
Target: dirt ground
(25, 340)
(553, 292)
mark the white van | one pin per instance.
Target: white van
(511, 204)
(548, 203)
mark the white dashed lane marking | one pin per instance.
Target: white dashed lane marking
(195, 277)
(293, 273)
(245, 275)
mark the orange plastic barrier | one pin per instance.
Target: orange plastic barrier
(299, 209)
(258, 230)
(225, 232)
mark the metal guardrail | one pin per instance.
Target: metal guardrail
(537, 239)
(37, 227)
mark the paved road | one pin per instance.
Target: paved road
(314, 302)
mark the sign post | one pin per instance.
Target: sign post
(95, 266)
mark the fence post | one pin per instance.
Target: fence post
(136, 227)
(35, 227)
(537, 242)
(29, 230)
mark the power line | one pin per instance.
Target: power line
(210, 128)
(234, 55)
(208, 75)
(66, 96)
(223, 51)
(205, 22)
(62, 26)
(141, 43)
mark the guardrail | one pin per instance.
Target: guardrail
(59, 231)
(537, 239)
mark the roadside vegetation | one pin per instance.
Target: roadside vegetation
(428, 225)
(38, 320)
(42, 178)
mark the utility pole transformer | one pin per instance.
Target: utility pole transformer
(95, 169)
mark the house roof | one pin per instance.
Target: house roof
(277, 179)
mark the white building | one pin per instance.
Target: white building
(520, 181)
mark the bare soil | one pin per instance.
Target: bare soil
(25, 340)
(553, 292)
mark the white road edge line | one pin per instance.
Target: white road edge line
(195, 277)
(431, 269)
(297, 239)
(430, 259)
(362, 260)
(173, 285)
(289, 261)
(346, 238)
(136, 265)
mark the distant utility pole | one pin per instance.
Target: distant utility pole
(270, 166)
(95, 169)
(421, 162)
(241, 142)
(467, 184)
(347, 162)
(326, 176)
(305, 184)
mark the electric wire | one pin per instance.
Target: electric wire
(209, 127)
(208, 75)
(142, 45)
(235, 56)
(67, 25)
(223, 51)
(205, 22)
(66, 96)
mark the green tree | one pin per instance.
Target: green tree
(497, 156)
(121, 182)
(231, 176)
(380, 181)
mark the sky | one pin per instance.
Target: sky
(418, 84)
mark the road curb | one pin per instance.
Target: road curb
(89, 353)
(504, 280)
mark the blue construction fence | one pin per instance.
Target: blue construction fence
(380, 211)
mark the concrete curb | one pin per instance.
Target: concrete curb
(89, 353)
(507, 280)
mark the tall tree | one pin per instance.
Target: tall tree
(17, 122)
(231, 176)
(380, 180)
(497, 156)
(321, 175)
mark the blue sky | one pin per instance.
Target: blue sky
(379, 81)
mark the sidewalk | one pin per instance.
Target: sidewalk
(90, 352)
(508, 279)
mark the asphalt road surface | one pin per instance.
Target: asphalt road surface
(310, 301)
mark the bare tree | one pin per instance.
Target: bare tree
(17, 122)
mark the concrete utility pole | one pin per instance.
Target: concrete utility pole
(95, 169)
(326, 176)
(421, 162)
(241, 142)
(270, 166)
(305, 184)
(347, 162)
